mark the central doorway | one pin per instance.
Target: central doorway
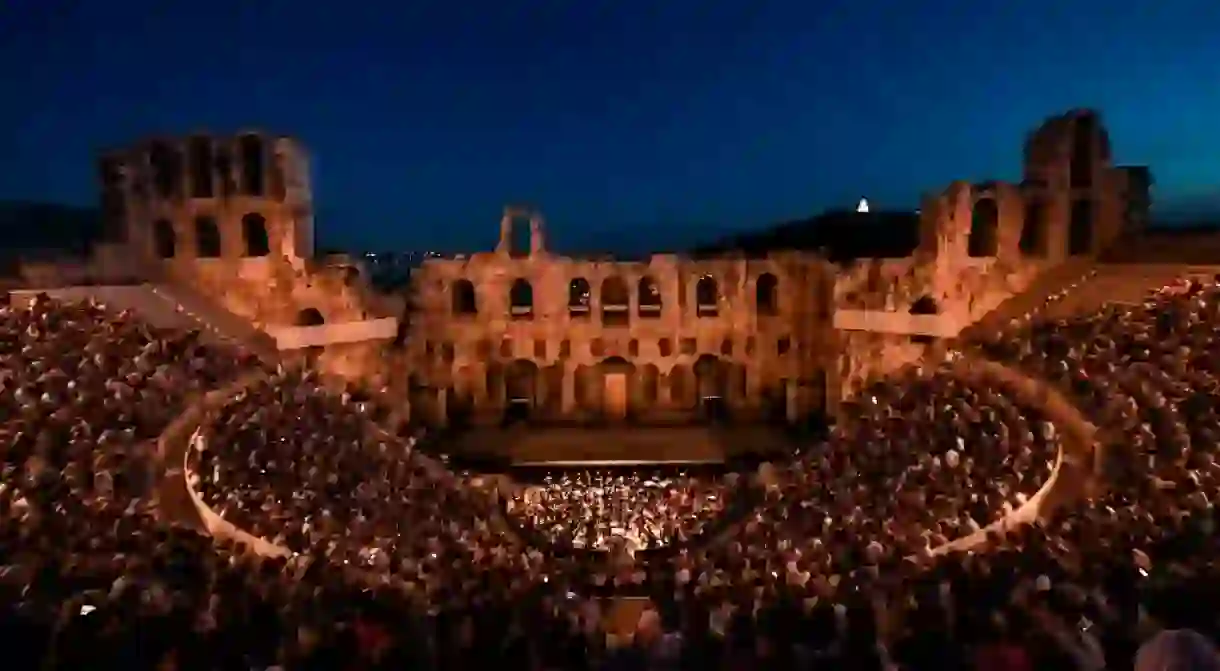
(616, 396)
(520, 391)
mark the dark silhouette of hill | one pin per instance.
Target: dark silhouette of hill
(27, 227)
(840, 235)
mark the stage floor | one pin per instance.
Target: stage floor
(619, 446)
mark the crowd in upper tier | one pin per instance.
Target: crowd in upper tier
(391, 561)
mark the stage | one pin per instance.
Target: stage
(564, 446)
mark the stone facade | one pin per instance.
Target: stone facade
(981, 244)
(522, 330)
(231, 217)
(666, 339)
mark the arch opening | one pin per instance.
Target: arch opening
(310, 317)
(167, 166)
(254, 234)
(984, 229)
(207, 238)
(766, 294)
(1080, 228)
(649, 298)
(463, 298)
(520, 389)
(707, 297)
(925, 305)
(201, 161)
(165, 240)
(1081, 168)
(615, 302)
(253, 166)
(1033, 230)
(579, 296)
(711, 384)
(521, 299)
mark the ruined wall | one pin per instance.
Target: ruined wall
(981, 244)
(867, 356)
(656, 318)
(231, 216)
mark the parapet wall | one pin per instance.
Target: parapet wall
(1073, 469)
(174, 448)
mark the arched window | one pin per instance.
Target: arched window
(1081, 168)
(707, 297)
(616, 302)
(253, 165)
(649, 297)
(1080, 228)
(521, 299)
(201, 162)
(1033, 230)
(984, 229)
(579, 295)
(310, 317)
(766, 294)
(254, 233)
(463, 296)
(166, 163)
(207, 238)
(164, 239)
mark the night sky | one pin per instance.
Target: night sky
(632, 124)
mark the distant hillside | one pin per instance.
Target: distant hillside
(27, 227)
(841, 235)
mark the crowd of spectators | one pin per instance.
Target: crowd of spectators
(395, 563)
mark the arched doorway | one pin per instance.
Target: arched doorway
(711, 384)
(618, 376)
(520, 390)
(680, 381)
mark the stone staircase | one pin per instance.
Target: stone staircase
(1115, 283)
(209, 316)
(138, 298)
(1043, 288)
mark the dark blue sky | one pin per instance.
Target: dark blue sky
(630, 123)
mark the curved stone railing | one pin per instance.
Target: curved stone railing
(180, 499)
(177, 498)
(1074, 467)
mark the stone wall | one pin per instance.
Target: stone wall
(766, 319)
